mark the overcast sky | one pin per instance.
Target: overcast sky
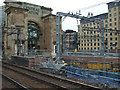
(97, 7)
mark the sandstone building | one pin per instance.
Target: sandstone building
(37, 27)
(89, 34)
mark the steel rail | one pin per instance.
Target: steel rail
(15, 82)
(55, 85)
(33, 77)
(52, 79)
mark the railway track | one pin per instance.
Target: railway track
(49, 79)
(27, 80)
(11, 83)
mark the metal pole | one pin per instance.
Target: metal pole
(102, 43)
(102, 38)
(58, 36)
(0, 33)
(18, 33)
(58, 22)
(0, 43)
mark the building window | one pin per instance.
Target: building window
(90, 32)
(115, 23)
(110, 44)
(98, 44)
(110, 34)
(106, 34)
(111, 48)
(114, 9)
(111, 39)
(88, 44)
(84, 44)
(98, 26)
(110, 10)
(91, 44)
(110, 15)
(115, 28)
(110, 20)
(115, 19)
(106, 44)
(98, 35)
(98, 31)
(106, 39)
(115, 14)
(98, 48)
(115, 33)
(106, 26)
(110, 28)
(115, 38)
(110, 24)
(90, 24)
(106, 21)
(95, 48)
(95, 40)
(94, 44)
(98, 39)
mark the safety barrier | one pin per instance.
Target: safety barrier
(93, 76)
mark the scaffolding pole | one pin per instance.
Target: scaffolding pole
(58, 23)
(0, 43)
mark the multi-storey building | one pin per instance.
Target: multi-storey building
(69, 40)
(89, 33)
(37, 27)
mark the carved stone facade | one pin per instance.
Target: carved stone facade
(37, 28)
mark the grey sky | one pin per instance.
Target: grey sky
(72, 5)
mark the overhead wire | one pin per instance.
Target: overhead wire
(44, 1)
(95, 5)
(92, 6)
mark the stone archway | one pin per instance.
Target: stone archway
(33, 35)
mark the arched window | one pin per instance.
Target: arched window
(33, 34)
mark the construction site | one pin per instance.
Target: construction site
(36, 52)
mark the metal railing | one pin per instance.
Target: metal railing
(110, 79)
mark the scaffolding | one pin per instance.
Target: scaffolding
(58, 16)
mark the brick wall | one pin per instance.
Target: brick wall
(99, 59)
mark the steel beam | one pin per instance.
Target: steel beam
(58, 23)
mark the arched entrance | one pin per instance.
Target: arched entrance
(33, 35)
